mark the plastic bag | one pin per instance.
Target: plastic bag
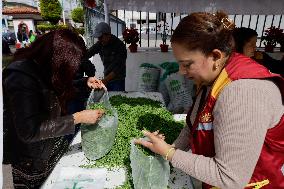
(148, 171)
(148, 78)
(167, 68)
(98, 139)
(76, 178)
(180, 95)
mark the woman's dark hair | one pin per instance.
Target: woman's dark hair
(58, 54)
(205, 32)
(242, 36)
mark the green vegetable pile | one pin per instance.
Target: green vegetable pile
(134, 115)
(101, 106)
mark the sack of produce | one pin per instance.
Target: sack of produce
(98, 139)
(180, 93)
(148, 77)
(151, 172)
(167, 68)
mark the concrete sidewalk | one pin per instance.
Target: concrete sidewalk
(7, 177)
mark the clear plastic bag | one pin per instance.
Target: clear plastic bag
(75, 177)
(151, 172)
(98, 139)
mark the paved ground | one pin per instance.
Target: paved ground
(7, 177)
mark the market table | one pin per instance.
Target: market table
(75, 156)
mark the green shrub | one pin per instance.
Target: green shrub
(50, 10)
(49, 27)
(78, 15)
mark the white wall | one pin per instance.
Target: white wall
(133, 61)
(128, 19)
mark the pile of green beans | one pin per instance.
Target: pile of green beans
(100, 106)
(134, 115)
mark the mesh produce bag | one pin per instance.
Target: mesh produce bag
(98, 139)
(151, 172)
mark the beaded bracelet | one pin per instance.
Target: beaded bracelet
(168, 152)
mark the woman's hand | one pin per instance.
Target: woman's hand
(156, 144)
(88, 116)
(95, 83)
(160, 135)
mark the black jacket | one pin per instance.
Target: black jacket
(113, 56)
(32, 122)
(80, 82)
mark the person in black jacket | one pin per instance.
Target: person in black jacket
(36, 89)
(86, 69)
(245, 43)
(79, 100)
(113, 54)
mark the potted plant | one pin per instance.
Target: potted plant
(164, 35)
(271, 37)
(131, 37)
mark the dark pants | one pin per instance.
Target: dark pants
(117, 85)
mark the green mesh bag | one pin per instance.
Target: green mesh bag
(98, 139)
(151, 172)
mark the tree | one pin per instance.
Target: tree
(78, 15)
(51, 10)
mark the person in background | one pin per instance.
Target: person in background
(36, 89)
(5, 47)
(245, 43)
(32, 36)
(113, 54)
(86, 70)
(7, 55)
(38, 33)
(235, 128)
(82, 92)
(21, 34)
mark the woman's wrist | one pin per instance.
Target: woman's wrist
(170, 153)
